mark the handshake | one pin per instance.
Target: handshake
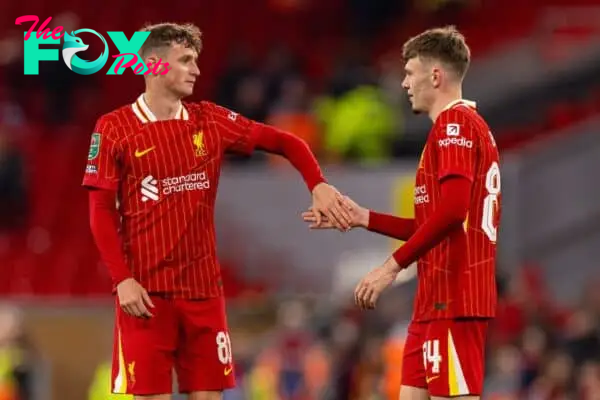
(331, 210)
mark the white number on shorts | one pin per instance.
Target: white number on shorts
(490, 203)
(431, 355)
(224, 348)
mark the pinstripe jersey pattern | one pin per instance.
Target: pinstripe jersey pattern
(166, 175)
(457, 277)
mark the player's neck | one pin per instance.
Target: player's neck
(442, 102)
(162, 104)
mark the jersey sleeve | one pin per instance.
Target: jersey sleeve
(237, 132)
(103, 162)
(455, 144)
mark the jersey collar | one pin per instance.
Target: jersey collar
(460, 102)
(142, 111)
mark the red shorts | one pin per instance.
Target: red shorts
(189, 336)
(446, 357)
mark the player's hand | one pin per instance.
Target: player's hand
(359, 216)
(374, 283)
(328, 202)
(134, 299)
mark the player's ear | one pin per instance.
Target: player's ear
(151, 59)
(436, 77)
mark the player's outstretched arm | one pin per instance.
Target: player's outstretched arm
(456, 193)
(361, 217)
(327, 201)
(391, 226)
(104, 223)
(243, 136)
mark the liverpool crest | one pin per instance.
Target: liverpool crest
(199, 144)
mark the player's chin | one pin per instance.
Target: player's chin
(416, 110)
(186, 90)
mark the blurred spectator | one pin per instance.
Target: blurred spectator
(346, 346)
(250, 98)
(588, 381)
(294, 365)
(360, 126)
(237, 69)
(535, 343)
(526, 301)
(18, 360)
(368, 375)
(590, 300)
(554, 381)
(291, 112)
(582, 337)
(11, 113)
(393, 351)
(280, 64)
(504, 373)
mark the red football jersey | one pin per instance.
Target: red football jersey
(457, 277)
(166, 175)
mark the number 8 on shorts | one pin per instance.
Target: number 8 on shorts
(224, 348)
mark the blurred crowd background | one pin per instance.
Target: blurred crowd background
(330, 72)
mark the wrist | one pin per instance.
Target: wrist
(392, 264)
(368, 219)
(365, 217)
(316, 184)
(121, 279)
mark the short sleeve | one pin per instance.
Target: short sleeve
(103, 162)
(455, 144)
(238, 133)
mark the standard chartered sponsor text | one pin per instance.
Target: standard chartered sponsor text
(193, 181)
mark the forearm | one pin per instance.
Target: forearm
(294, 149)
(390, 225)
(104, 223)
(448, 216)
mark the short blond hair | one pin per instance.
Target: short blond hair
(445, 44)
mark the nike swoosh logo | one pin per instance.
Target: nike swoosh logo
(433, 378)
(227, 371)
(142, 153)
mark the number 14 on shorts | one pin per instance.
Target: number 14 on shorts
(432, 357)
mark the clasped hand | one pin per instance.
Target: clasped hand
(332, 210)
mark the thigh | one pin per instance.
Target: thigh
(413, 371)
(413, 393)
(204, 360)
(454, 355)
(143, 352)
